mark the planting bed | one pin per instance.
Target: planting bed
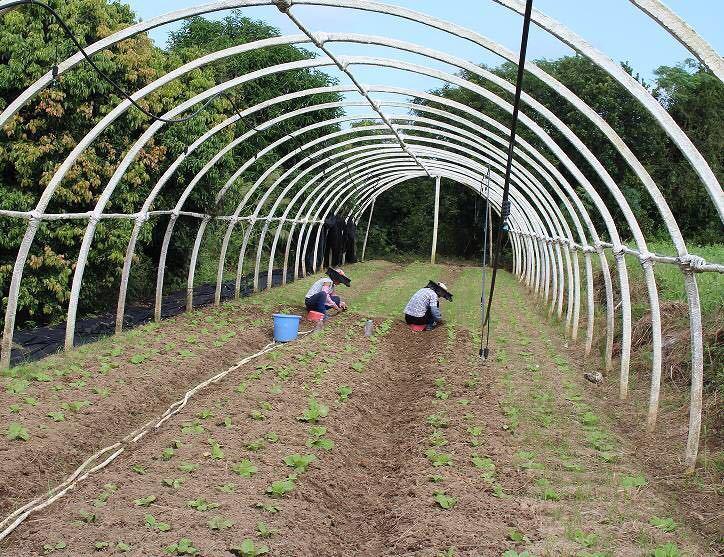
(56, 412)
(342, 445)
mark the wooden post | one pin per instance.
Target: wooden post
(434, 225)
(367, 232)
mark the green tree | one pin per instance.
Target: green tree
(40, 136)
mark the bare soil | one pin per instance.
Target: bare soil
(518, 441)
(92, 397)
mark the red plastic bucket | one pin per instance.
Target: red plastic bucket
(315, 316)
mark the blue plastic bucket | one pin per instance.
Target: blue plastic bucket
(286, 327)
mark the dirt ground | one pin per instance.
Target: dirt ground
(401, 444)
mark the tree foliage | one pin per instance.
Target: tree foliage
(37, 139)
(691, 94)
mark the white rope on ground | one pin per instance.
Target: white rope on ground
(16, 518)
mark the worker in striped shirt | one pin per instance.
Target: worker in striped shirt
(424, 306)
(321, 297)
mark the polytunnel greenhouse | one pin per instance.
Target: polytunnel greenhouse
(167, 211)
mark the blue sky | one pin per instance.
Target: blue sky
(616, 27)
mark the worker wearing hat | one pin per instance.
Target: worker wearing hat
(424, 306)
(321, 297)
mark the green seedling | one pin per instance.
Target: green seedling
(276, 389)
(154, 524)
(247, 548)
(242, 387)
(271, 508)
(101, 545)
(167, 453)
(436, 479)
(16, 386)
(255, 446)
(245, 468)
(174, 483)
(516, 536)
(314, 412)
(437, 421)
(442, 395)
(280, 488)
(525, 458)
(513, 553)
(483, 463)
(548, 493)
(272, 437)
(317, 439)
(16, 432)
(191, 428)
(215, 453)
(440, 382)
(357, 366)
(75, 406)
(15, 408)
(205, 414)
(666, 550)
(220, 523)
(589, 419)
(438, 459)
(138, 359)
(30, 401)
(138, 469)
(227, 488)
(263, 530)
(665, 524)
(87, 517)
(463, 401)
(632, 482)
(344, 391)
(586, 540)
(182, 547)
(56, 546)
(122, 547)
(257, 415)
(298, 462)
(145, 501)
(188, 467)
(56, 416)
(444, 501)
(201, 504)
(437, 439)
(101, 392)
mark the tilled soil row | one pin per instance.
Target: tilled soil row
(202, 474)
(73, 405)
(86, 406)
(384, 496)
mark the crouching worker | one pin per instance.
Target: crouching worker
(424, 306)
(321, 297)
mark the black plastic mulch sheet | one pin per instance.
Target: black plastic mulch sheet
(34, 344)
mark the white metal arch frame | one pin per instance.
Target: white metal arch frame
(75, 292)
(271, 188)
(580, 177)
(237, 141)
(689, 264)
(497, 155)
(543, 203)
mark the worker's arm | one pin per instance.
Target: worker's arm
(327, 288)
(436, 312)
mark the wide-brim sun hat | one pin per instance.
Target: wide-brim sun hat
(337, 275)
(440, 289)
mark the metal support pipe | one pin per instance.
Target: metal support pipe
(433, 253)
